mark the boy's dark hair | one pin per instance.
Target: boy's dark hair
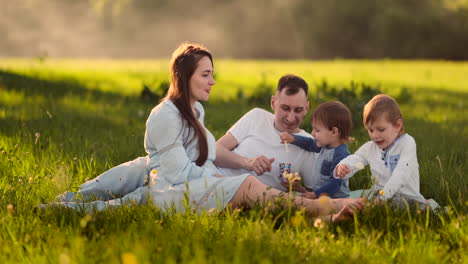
(293, 84)
(334, 114)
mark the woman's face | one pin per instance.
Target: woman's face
(202, 80)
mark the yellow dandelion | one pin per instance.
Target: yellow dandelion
(30, 179)
(323, 199)
(129, 258)
(382, 193)
(85, 220)
(64, 258)
(10, 208)
(154, 172)
(298, 220)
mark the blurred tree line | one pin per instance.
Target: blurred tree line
(312, 29)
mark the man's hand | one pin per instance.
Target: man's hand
(260, 164)
(286, 137)
(341, 170)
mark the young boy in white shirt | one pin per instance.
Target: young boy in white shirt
(391, 155)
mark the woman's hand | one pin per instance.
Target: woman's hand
(260, 164)
(341, 170)
(286, 137)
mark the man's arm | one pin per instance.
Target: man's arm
(226, 158)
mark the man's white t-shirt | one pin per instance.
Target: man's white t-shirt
(256, 135)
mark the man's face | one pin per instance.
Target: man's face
(289, 110)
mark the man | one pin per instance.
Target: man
(253, 144)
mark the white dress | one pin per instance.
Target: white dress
(178, 181)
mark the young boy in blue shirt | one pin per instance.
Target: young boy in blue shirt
(331, 127)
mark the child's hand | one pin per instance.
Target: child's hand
(341, 170)
(286, 137)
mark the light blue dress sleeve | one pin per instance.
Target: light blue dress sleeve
(164, 141)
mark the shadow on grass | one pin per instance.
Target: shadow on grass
(73, 127)
(53, 89)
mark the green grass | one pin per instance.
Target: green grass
(65, 121)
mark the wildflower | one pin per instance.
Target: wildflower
(211, 211)
(359, 166)
(382, 193)
(64, 258)
(292, 177)
(323, 199)
(84, 221)
(298, 219)
(319, 224)
(30, 179)
(129, 258)
(37, 135)
(10, 208)
(154, 172)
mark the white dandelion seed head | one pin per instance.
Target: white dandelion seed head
(359, 166)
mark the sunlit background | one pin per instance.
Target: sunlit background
(312, 29)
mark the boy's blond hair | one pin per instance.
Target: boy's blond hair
(334, 114)
(382, 104)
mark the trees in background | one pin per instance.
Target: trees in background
(313, 29)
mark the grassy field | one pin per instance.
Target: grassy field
(65, 121)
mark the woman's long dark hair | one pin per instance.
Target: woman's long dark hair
(184, 62)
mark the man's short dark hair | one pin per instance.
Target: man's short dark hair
(293, 84)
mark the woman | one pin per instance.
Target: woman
(181, 152)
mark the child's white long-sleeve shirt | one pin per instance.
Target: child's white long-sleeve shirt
(395, 170)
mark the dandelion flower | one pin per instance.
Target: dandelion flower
(359, 166)
(36, 135)
(154, 172)
(298, 219)
(129, 258)
(212, 211)
(319, 224)
(382, 193)
(323, 199)
(10, 208)
(64, 258)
